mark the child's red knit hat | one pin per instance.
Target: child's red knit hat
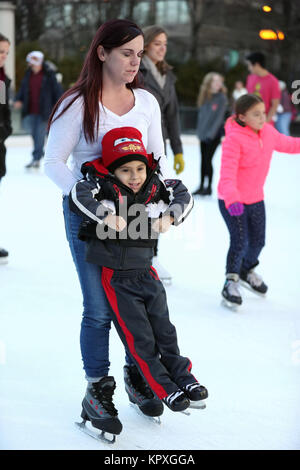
(122, 145)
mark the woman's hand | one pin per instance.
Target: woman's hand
(178, 163)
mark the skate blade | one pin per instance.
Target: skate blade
(230, 305)
(247, 286)
(153, 419)
(166, 281)
(198, 405)
(99, 437)
(194, 405)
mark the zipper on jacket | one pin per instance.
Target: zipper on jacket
(123, 253)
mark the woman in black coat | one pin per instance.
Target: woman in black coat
(5, 117)
(160, 81)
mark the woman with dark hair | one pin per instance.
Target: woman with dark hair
(5, 117)
(106, 95)
(160, 80)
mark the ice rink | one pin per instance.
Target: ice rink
(249, 360)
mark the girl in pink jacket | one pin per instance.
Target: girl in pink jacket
(246, 156)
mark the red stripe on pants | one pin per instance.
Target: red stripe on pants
(107, 274)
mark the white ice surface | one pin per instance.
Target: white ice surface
(249, 360)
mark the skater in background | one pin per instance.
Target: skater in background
(263, 83)
(160, 81)
(212, 108)
(246, 156)
(285, 110)
(106, 95)
(128, 178)
(39, 91)
(5, 118)
(239, 90)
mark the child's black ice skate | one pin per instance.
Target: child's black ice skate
(197, 394)
(98, 408)
(231, 294)
(177, 401)
(140, 393)
(253, 281)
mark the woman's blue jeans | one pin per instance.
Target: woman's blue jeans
(96, 321)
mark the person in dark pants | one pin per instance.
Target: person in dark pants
(246, 156)
(247, 236)
(212, 103)
(5, 118)
(128, 177)
(160, 81)
(38, 94)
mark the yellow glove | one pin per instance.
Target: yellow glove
(178, 163)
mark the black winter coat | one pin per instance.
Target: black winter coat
(123, 250)
(50, 92)
(168, 103)
(5, 127)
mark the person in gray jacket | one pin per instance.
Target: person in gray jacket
(212, 104)
(160, 81)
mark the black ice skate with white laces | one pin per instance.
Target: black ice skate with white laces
(253, 281)
(98, 408)
(197, 394)
(177, 401)
(231, 294)
(140, 394)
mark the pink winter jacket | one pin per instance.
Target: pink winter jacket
(246, 158)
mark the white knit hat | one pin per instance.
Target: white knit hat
(35, 58)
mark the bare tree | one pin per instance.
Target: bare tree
(196, 10)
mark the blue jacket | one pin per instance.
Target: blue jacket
(50, 92)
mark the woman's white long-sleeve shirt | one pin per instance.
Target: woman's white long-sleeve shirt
(67, 148)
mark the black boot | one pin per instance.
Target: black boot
(253, 281)
(195, 391)
(98, 407)
(230, 291)
(140, 393)
(207, 191)
(177, 401)
(3, 256)
(199, 191)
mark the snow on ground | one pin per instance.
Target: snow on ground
(249, 360)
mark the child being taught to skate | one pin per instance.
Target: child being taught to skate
(124, 204)
(246, 156)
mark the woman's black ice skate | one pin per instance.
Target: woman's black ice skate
(3, 256)
(231, 294)
(177, 401)
(98, 408)
(253, 281)
(196, 393)
(140, 393)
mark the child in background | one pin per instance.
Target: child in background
(212, 103)
(124, 181)
(246, 156)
